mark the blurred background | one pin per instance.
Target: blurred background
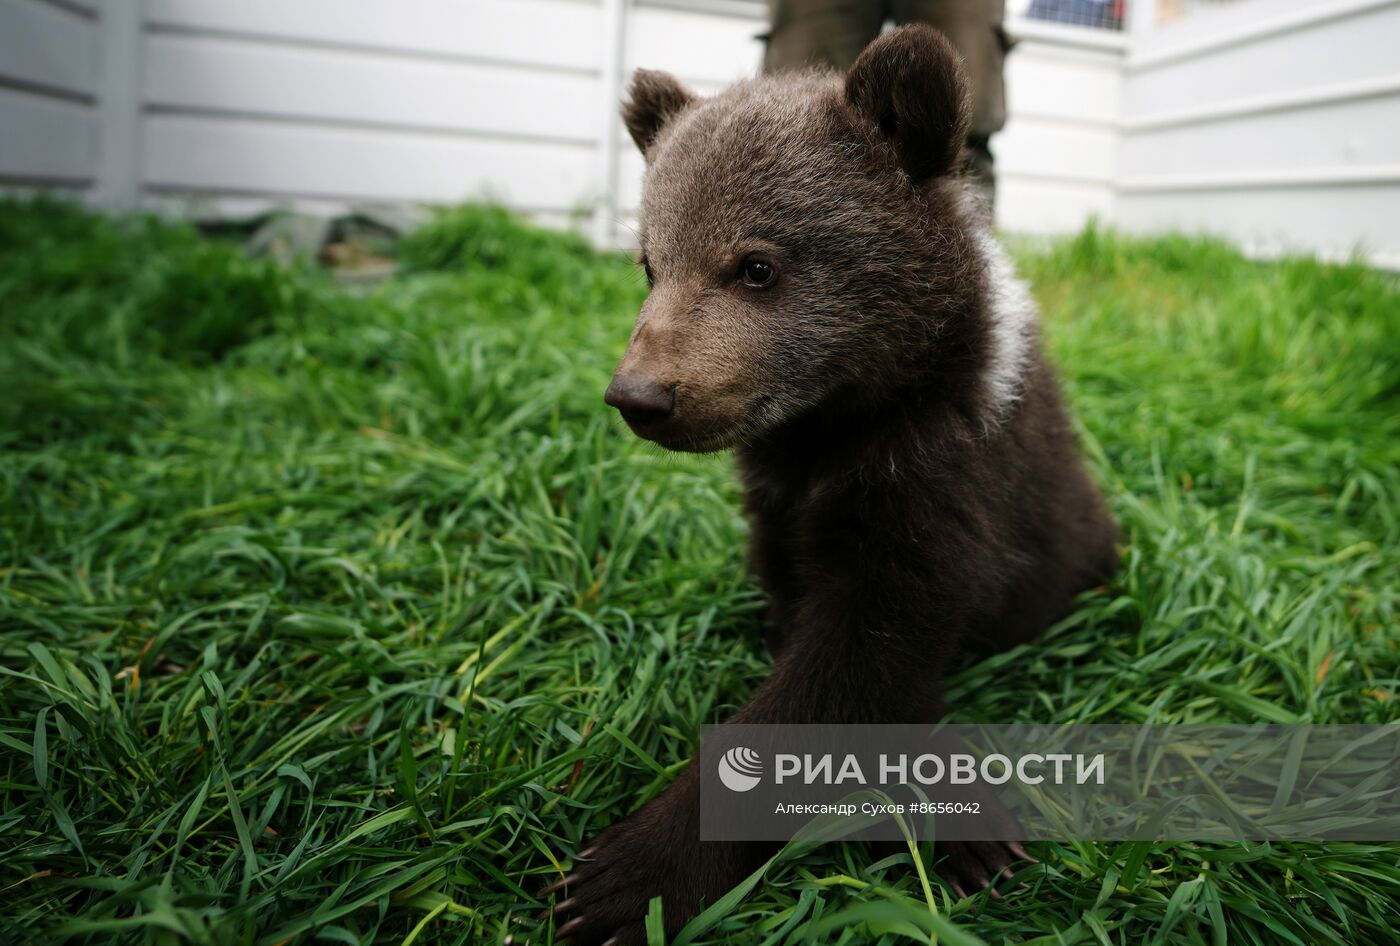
(1275, 123)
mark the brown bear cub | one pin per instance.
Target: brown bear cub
(827, 299)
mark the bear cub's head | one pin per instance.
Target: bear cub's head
(806, 240)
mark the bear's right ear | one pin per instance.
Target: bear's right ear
(654, 99)
(910, 83)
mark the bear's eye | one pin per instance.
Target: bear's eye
(757, 273)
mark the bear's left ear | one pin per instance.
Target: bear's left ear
(910, 83)
(654, 99)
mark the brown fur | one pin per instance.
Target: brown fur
(911, 478)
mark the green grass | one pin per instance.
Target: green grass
(345, 617)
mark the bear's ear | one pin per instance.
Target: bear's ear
(654, 99)
(910, 83)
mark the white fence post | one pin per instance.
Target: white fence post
(119, 104)
(614, 54)
(1142, 16)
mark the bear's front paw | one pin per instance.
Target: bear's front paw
(654, 852)
(604, 899)
(973, 866)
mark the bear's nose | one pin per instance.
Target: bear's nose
(641, 401)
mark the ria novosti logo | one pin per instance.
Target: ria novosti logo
(740, 769)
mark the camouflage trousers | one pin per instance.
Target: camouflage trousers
(833, 32)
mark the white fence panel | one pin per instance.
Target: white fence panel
(1331, 42)
(217, 75)
(705, 50)
(1341, 128)
(1048, 80)
(1056, 159)
(1041, 149)
(46, 142)
(261, 103)
(48, 87)
(551, 34)
(1275, 123)
(210, 156)
(48, 47)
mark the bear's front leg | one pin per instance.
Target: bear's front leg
(831, 672)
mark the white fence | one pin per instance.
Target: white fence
(1273, 121)
(265, 102)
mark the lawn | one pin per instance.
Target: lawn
(347, 615)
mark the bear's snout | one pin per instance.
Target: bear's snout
(642, 402)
